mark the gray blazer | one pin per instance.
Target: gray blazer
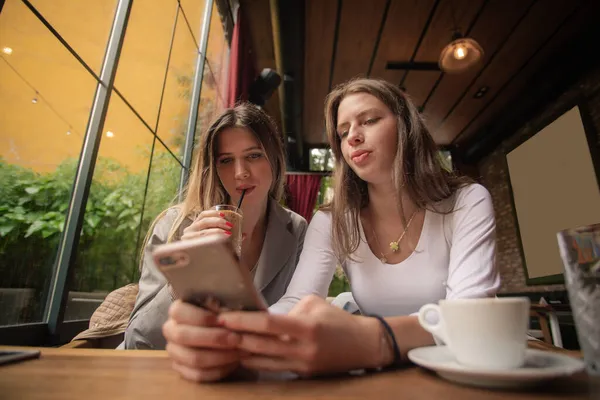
(278, 258)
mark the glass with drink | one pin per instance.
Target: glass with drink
(234, 215)
(580, 252)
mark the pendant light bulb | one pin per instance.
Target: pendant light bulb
(460, 55)
(460, 52)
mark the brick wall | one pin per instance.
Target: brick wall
(494, 175)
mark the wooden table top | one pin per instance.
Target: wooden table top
(109, 374)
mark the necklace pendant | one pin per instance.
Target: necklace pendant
(383, 260)
(394, 246)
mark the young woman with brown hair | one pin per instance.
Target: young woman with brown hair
(241, 150)
(406, 231)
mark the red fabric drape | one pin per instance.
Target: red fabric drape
(242, 68)
(302, 193)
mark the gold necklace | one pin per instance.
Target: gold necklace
(394, 246)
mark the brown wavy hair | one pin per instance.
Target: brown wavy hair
(418, 169)
(204, 188)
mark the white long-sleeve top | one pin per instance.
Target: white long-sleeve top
(454, 258)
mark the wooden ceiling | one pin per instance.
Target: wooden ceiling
(258, 14)
(347, 38)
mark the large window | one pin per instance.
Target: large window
(217, 55)
(85, 25)
(50, 74)
(45, 98)
(321, 159)
(214, 79)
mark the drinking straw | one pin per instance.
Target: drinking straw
(241, 199)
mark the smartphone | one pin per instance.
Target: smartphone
(207, 273)
(12, 356)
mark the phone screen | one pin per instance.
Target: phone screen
(12, 356)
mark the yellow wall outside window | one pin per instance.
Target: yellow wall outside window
(41, 135)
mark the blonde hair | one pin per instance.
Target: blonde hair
(417, 170)
(204, 188)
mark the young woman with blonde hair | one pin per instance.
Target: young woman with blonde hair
(241, 150)
(406, 231)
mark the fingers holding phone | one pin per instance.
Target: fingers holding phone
(201, 350)
(205, 274)
(207, 222)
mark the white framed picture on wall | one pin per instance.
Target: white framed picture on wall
(554, 178)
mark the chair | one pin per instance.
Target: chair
(109, 321)
(549, 325)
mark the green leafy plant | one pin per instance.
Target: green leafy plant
(33, 209)
(339, 283)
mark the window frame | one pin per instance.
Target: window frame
(53, 330)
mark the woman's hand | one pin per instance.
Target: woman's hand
(207, 222)
(200, 349)
(315, 337)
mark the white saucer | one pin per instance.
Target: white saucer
(539, 367)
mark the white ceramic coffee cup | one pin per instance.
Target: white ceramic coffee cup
(489, 333)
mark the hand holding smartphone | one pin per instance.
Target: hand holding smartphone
(206, 272)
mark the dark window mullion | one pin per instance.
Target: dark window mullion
(195, 100)
(67, 251)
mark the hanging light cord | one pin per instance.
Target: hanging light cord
(39, 96)
(455, 27)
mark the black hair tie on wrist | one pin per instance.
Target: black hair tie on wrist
(397, 356)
